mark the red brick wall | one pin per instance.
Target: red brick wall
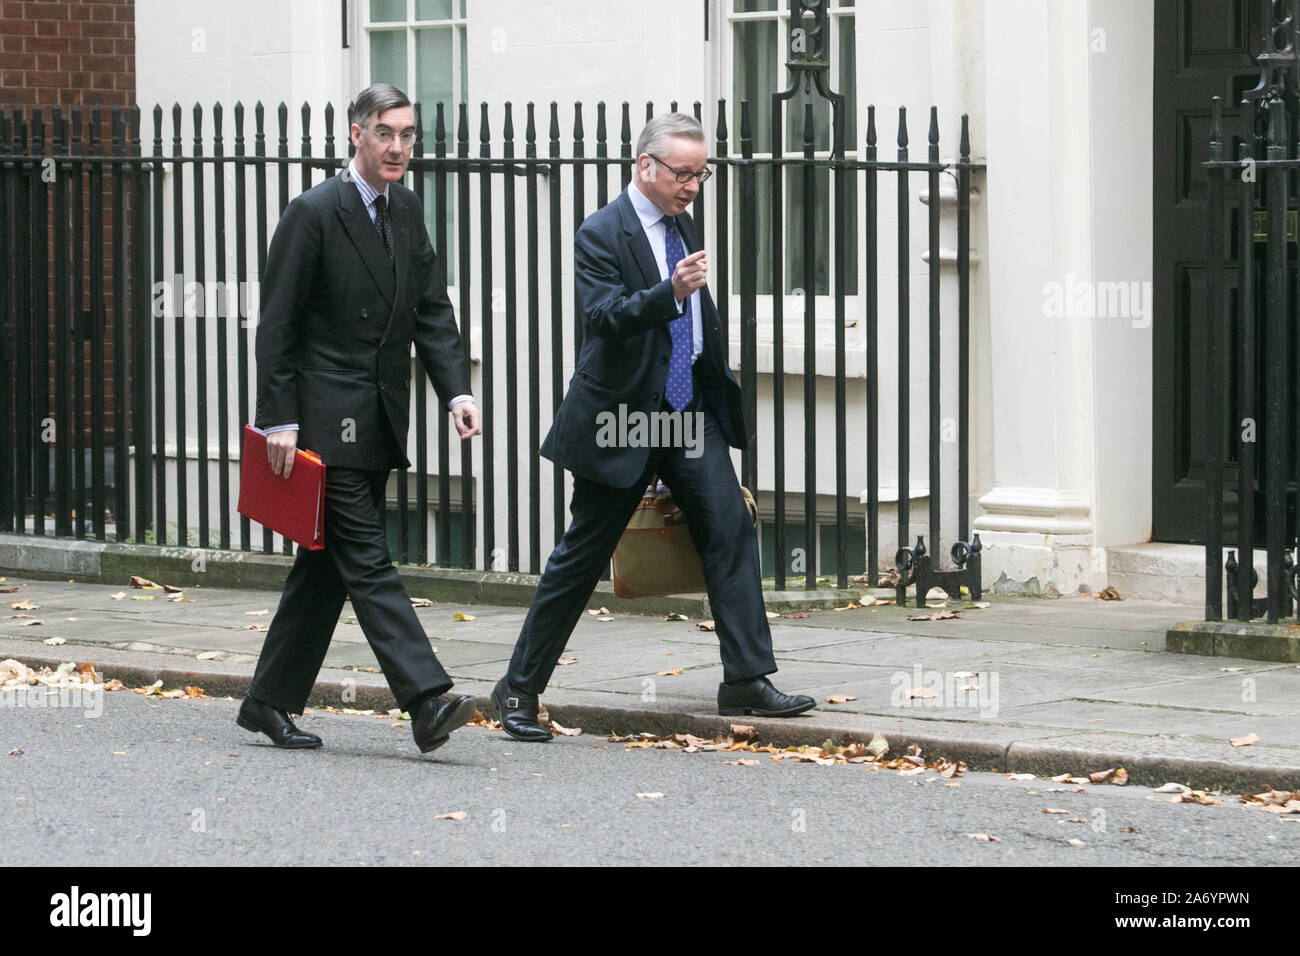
(74, 51)
(69, 53)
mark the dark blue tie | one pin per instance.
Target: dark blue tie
(679, 389)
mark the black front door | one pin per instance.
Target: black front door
(1202, 50)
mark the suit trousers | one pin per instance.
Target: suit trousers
(707, 491)
(355, 563)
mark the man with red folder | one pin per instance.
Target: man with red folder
(351, 280)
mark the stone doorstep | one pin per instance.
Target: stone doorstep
(1256, 642)
(1003, 749)
(99, 562)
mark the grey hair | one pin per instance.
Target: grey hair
(655, 135)
(375, 99)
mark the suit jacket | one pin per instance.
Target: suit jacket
(625, 309)
(337, 322)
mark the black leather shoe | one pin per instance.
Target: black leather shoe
(758, 698)
(436, 717)
(517, 712)
(264, 719)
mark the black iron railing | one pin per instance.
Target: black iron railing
(152, 455)
(1252, 346)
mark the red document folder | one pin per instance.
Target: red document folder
(295, 507)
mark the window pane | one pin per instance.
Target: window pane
(756, 59)
(433, 9)
(386, 11)
(388, 57)
(433, 70)
(755, 6)
(796, 204)
(433, 85)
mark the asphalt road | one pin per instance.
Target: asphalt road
(175, 782)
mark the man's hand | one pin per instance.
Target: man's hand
(280, 447)
(691, 273)
(467, 418)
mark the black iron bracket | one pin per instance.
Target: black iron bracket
(915, 566)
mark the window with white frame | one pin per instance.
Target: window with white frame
(760, 31)
(419, 46)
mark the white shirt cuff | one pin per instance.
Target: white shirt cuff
(280, 428)
(458, 399)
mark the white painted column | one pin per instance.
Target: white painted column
(1038, 528)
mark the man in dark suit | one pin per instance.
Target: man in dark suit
(652, 348)
(350, 282)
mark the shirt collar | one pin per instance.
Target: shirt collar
(646, 211)
(367, 191)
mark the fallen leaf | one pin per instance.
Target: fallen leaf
(567, 660)
(878, 746)
(1195, 796)
(677, 616)
(965, 674)
(16, 752)
(978, 604)
(672, 673)
(936, 616)
(1021, 776)
(461, 616)
(1171, 788)
(743, 732)
(986, 838)
(922, 693)
(1246, 741)
(118, 596)
(649, 796)
(772, 614)
(142, 597)
(454, 815)
(741, 762)
(1076, 820)
(257, 613)
(256, 627)
(1077, 842)
(421, 602)
(1101, 776)
(565, 731)
(210, 656)
(24, 606)
(1052, 810)
(139, 582)
(1129, 830)
(604, 618)
(840, 698)
(1108, 594)
(704, 625)
(599, 610)
(797, 615)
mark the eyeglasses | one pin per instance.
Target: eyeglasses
(385, 136)
(683, 175)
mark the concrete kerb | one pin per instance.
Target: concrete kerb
(998, 749)
(104, 562)
(1252, 641)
